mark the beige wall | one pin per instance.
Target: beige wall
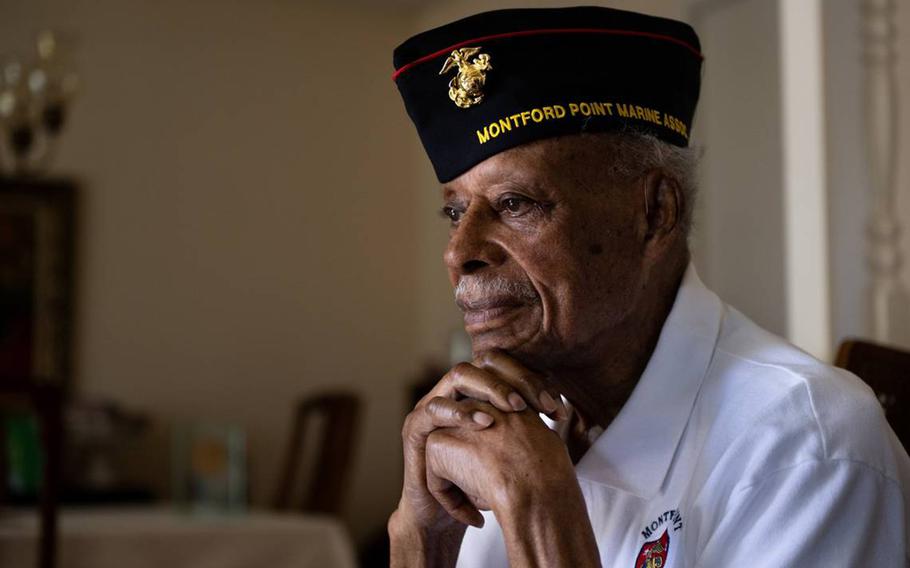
(740, 211)
(851, 197)
(902, 23)
(248, 234)
(848, 181)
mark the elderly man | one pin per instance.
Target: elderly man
(678, 432)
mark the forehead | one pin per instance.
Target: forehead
(555, 165)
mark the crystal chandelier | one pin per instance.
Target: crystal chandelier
(35, 96)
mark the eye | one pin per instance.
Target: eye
(516, 206)
(451, 213)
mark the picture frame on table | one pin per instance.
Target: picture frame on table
(37, 234)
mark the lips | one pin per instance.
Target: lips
(487, 309)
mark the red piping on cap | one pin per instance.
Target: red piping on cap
(449, 49)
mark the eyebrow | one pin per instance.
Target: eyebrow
(532, 187)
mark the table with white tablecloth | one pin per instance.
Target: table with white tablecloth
(159, 537)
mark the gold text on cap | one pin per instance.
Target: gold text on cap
(464, 88)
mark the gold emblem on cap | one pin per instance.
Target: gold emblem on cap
(465, 87)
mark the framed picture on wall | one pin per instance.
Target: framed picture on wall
(37, 230)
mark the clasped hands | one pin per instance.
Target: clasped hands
(476, 442)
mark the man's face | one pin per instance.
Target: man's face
(546, 255)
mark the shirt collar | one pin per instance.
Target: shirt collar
(635, 451)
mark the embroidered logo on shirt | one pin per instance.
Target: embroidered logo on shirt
(653, 553)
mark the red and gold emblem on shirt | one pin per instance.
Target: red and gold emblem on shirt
(653, 554)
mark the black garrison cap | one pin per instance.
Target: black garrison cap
(496, 80)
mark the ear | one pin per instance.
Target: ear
(663, 210)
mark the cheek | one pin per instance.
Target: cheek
(611, 282)
(594, 283)
(612, 254)
(584, 267)
(560, 276)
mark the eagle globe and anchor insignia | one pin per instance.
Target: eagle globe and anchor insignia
(465, 87)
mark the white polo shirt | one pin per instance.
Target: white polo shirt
(737, 449)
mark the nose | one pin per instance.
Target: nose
(471, 245)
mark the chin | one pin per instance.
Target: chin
(533, 351)
(489, 342)
(522, 346)
(508, 330)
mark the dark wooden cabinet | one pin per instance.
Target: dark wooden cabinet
(37, 267)
(37, 263)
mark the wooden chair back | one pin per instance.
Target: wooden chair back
(339, 415)
(46, 401)
(887, 371)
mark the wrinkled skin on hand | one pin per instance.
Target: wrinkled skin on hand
(470, 397)
(515, 459)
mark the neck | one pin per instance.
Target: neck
(600, 387)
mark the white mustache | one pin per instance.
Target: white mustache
(476, 291)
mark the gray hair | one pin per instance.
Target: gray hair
(637, 153)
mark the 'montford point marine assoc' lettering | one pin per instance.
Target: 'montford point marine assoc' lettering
(556, 112)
